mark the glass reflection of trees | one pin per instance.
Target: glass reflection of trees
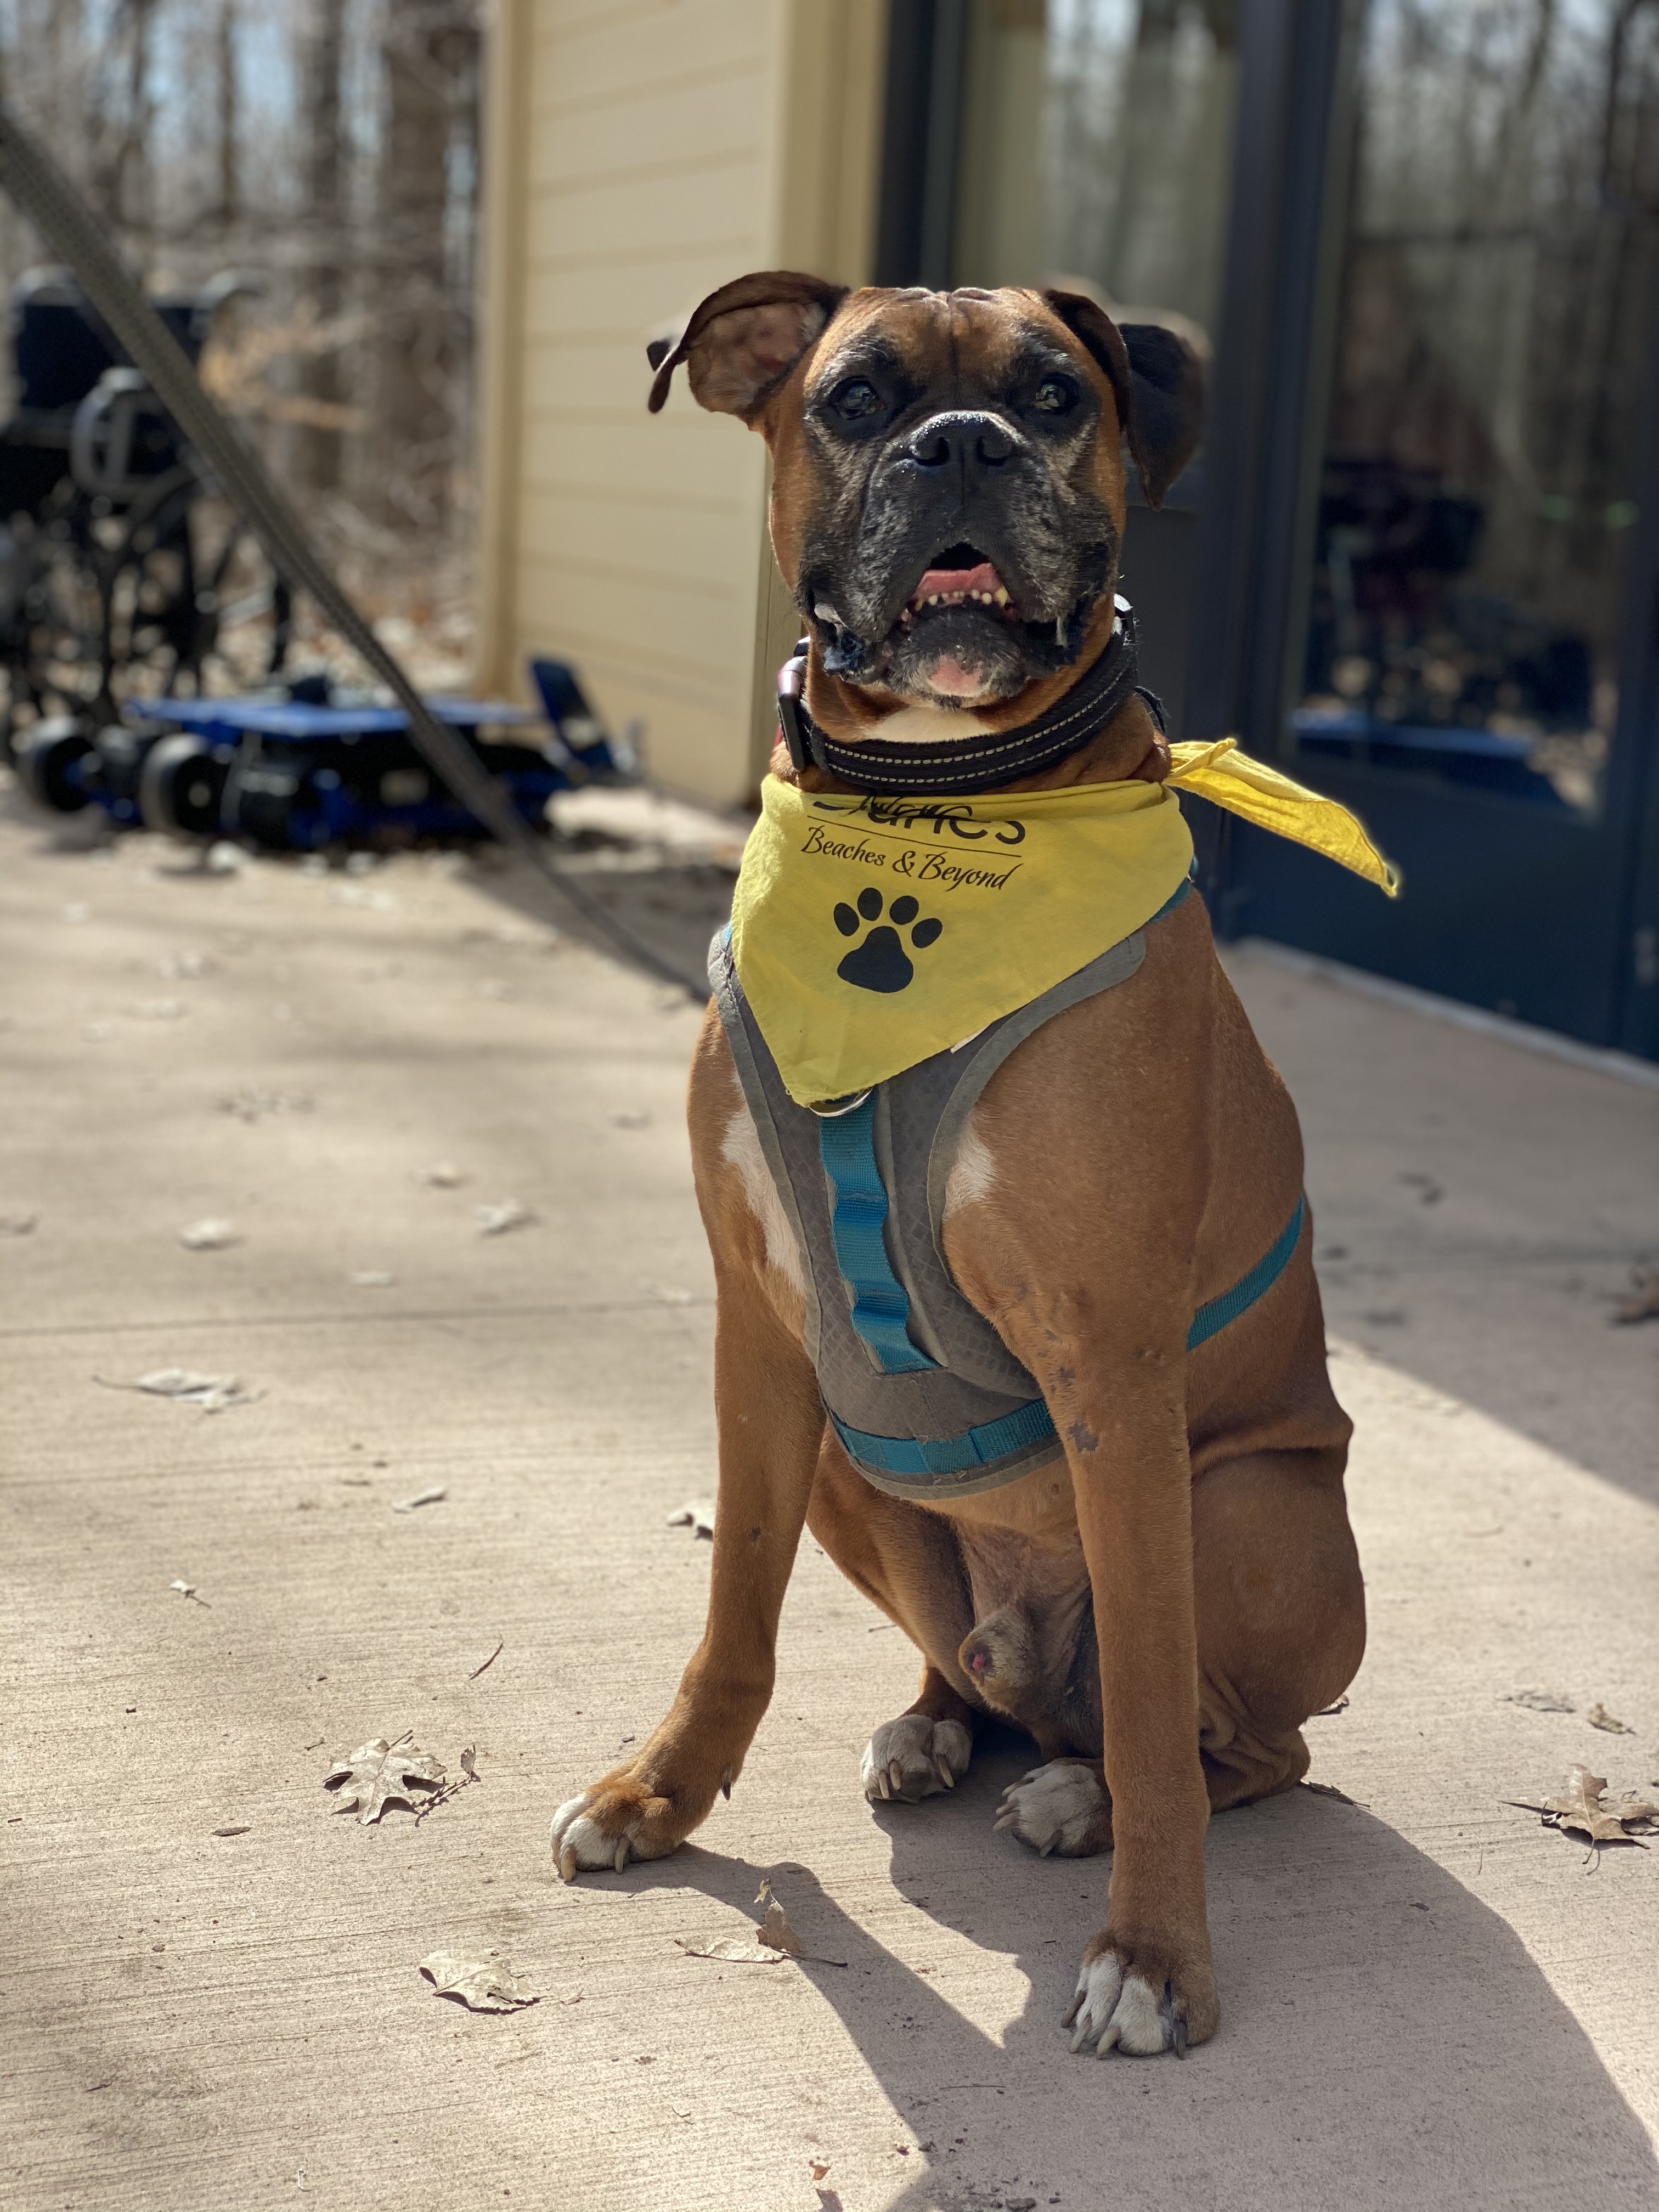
(1475, 499)
(1097, 151)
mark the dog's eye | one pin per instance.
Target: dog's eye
(855, 400)
(1055, 395)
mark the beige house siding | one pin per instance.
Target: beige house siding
(640, 156)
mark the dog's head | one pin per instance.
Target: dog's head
(948, 487)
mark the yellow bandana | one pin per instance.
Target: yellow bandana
(870, 934)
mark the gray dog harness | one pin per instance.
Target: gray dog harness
(928, 1401)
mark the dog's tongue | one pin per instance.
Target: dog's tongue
(938, 583)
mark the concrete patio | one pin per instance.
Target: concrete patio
(1428, 1998)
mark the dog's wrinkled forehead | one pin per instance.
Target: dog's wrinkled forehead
(950, 348)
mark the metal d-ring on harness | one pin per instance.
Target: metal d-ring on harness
(51, 202)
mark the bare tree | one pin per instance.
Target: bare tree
(430, 56)
(315, 453)
(226, 28)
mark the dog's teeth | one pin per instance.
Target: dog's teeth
(1000, 596)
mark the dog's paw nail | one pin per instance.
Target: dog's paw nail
(1107, 2043)
(1178, 2039)
(944, 1773)
(622, 1853)
(1047, 1846)
(895, 1776)
(568, 1863)
(1073, 2009)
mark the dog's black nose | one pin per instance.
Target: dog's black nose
(963, 441)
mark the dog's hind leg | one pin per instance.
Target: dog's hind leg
(906, 1561)
(1280, 1614)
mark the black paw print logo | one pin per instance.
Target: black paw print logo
(880, 962)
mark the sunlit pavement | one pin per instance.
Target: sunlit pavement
(1428, 1998)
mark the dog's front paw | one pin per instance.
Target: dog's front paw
(1127, 2003)
(1062, 1806)
(913, 1758)
(616, 1819)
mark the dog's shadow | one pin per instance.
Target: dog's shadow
(1384, 2035)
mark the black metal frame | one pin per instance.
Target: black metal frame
(1551, 918)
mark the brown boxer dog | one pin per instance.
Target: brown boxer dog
(1164, 1607)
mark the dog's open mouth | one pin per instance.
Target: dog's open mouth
(955, 629)
(961, 576)
(961, 636)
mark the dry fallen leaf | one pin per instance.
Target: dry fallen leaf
(233, 1831)
(1599, 1717)
(378, 1774)
(443, 1175)
(698, 1516)
(189, 1589)
(819, 2168)
(776, 1940)
(734, 1952)
(774, 1931)
(1540, 1701)
(212, 1394)
(482, 1984)
(496, 1220)
(1580, 1811)
(1329, 1789)
(209, 1235)
(435, 1495)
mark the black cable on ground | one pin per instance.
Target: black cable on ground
(51, 202)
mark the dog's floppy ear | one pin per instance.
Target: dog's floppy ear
(744, 339)
(1157, 381)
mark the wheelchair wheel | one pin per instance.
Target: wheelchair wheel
(47, 755)
(180, 788)
(191, 602)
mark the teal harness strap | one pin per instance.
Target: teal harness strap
(881, 1306)
(879, 1313)
(980, 1447)
(1210, 1320)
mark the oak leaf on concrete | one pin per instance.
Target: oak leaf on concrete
(482, 1984)
(378, 1774)
(1580, 1811)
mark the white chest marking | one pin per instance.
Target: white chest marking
(973, 1171)
(742, 1149)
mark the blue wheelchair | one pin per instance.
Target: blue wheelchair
(303, 768)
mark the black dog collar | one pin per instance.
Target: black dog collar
(968, 764)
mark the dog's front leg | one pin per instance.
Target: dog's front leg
(770, 1420)
(1147, 1984)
